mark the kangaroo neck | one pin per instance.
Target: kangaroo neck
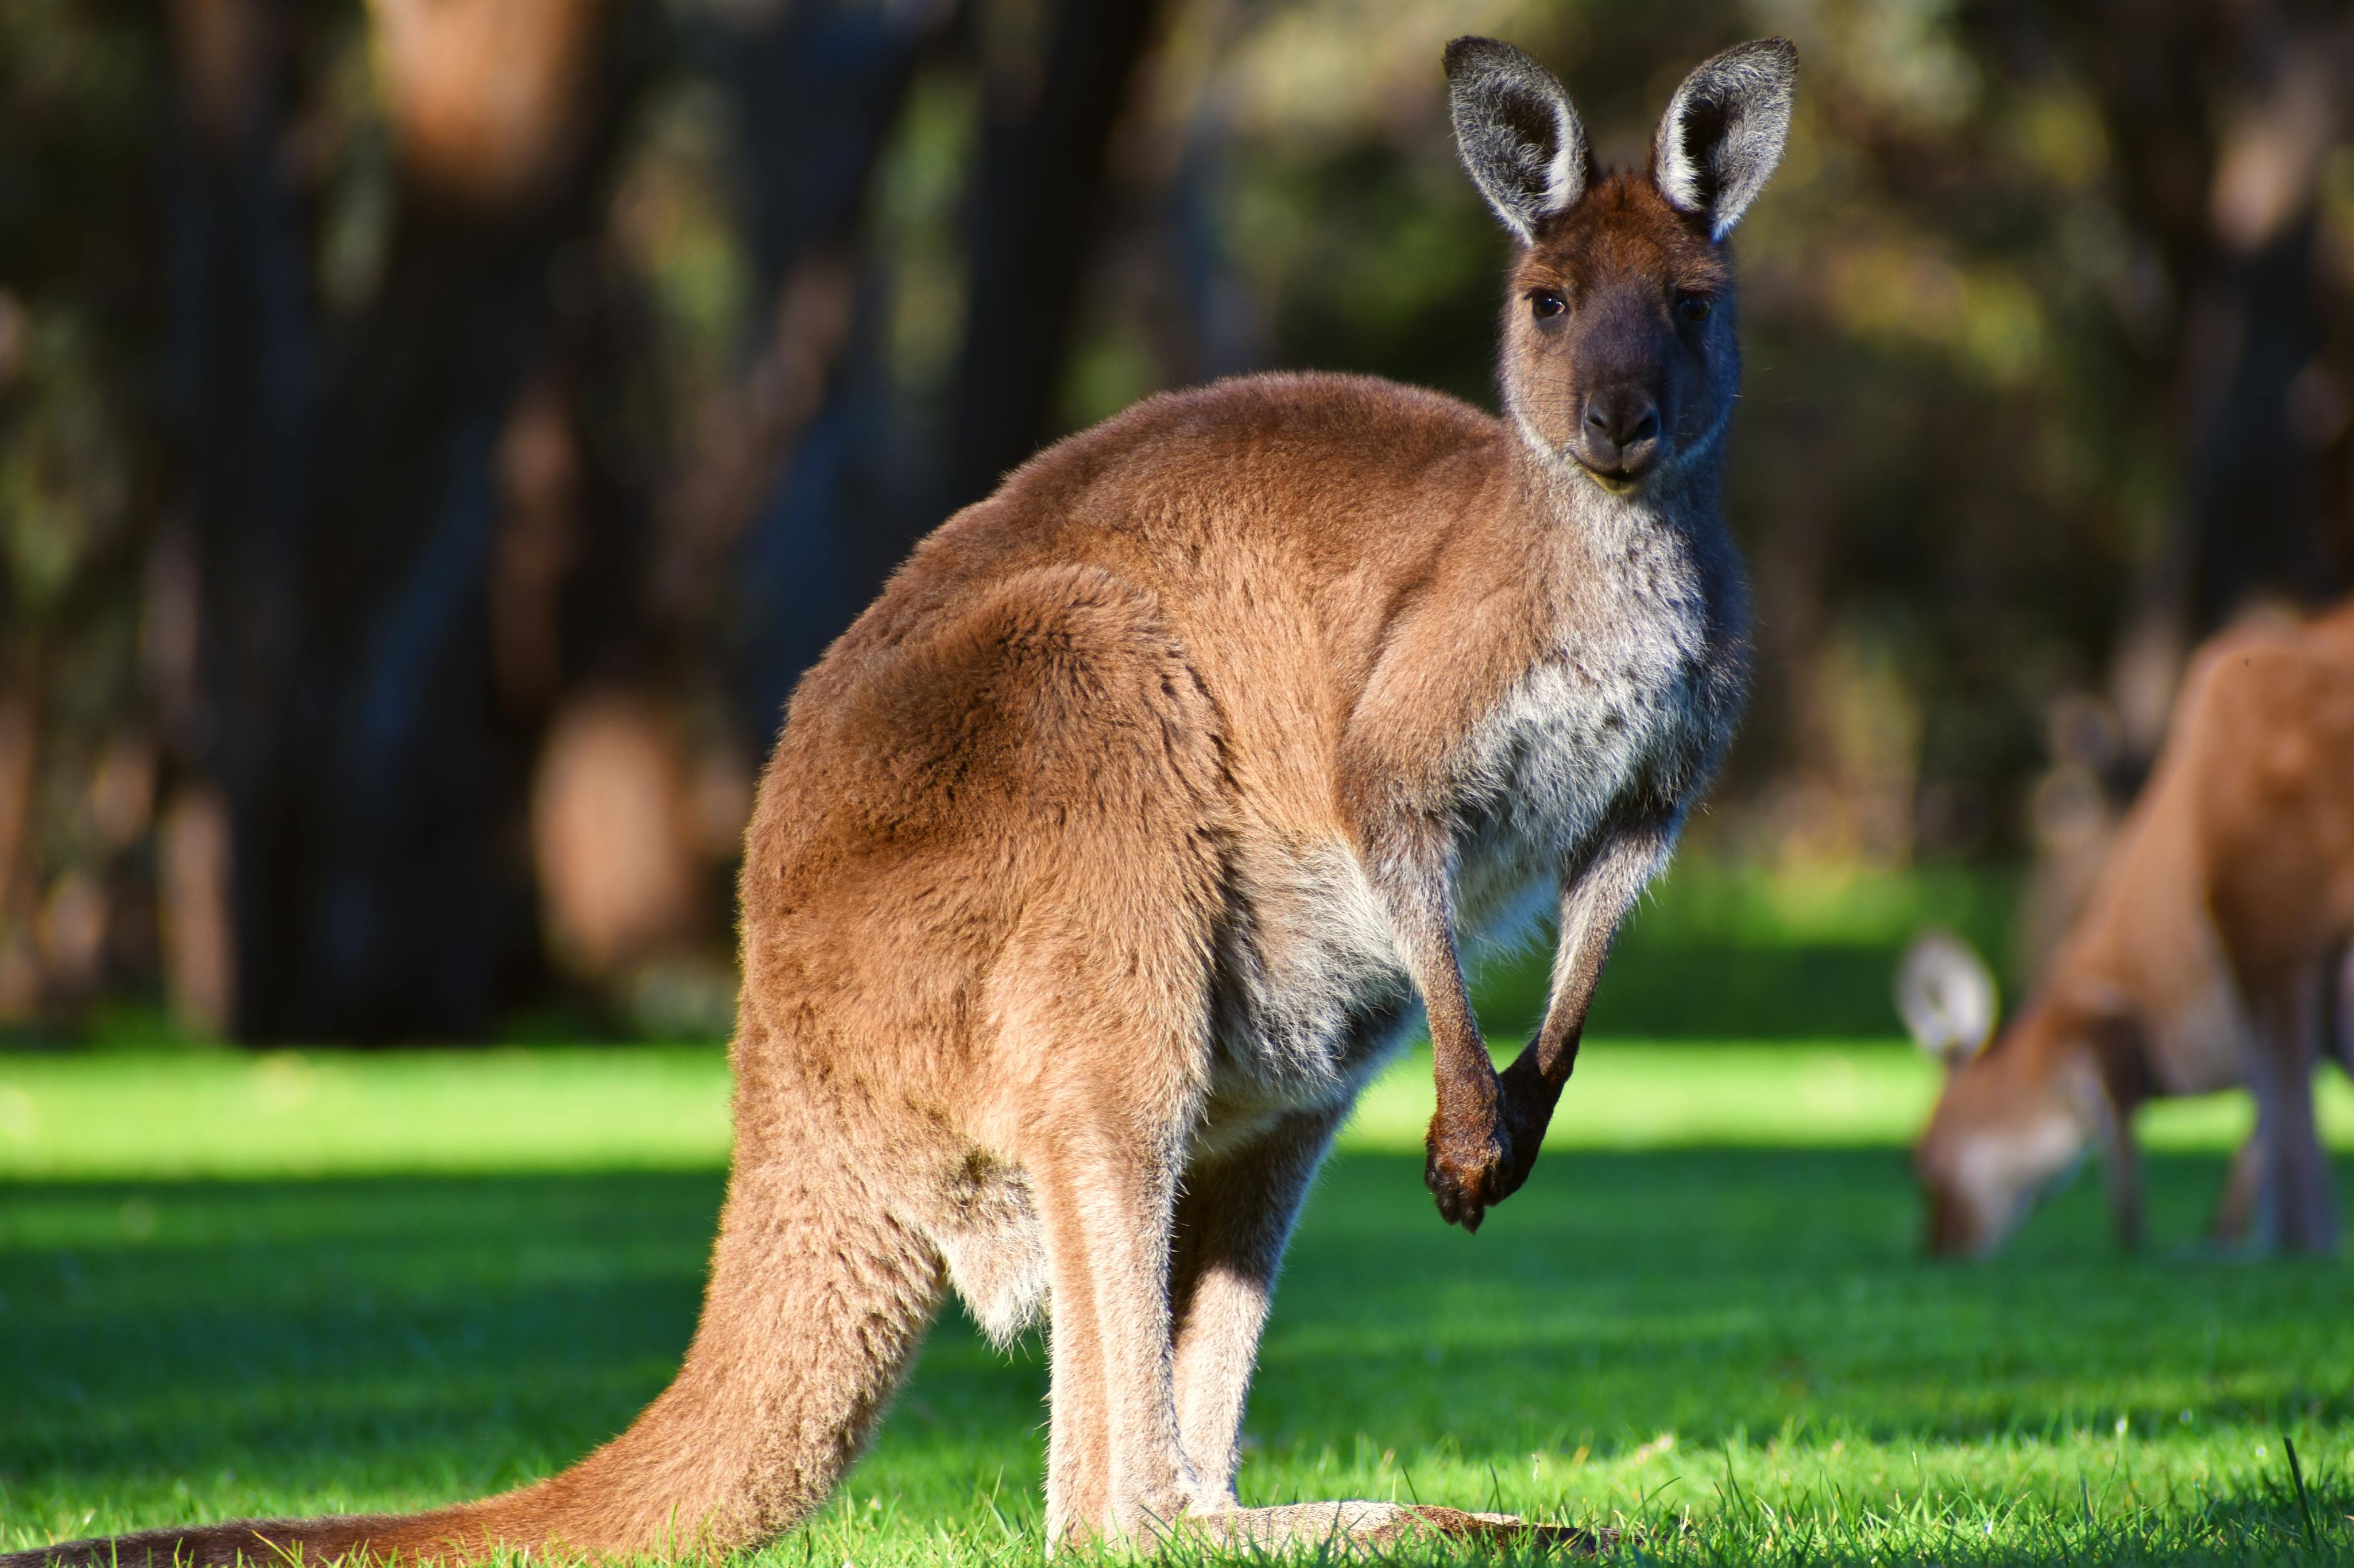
(1675, 515)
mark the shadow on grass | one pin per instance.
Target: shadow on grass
(388, 1343)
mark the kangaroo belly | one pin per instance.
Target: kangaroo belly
(1311, 994)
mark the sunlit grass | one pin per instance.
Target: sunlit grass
(295, 1114)
(234, 1286)
(318, 1113)
(1632, 1095)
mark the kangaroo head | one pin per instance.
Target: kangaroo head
(1618, 348)
(2016, 1115)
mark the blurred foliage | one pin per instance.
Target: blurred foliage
(1968, 462)
(1733, 951)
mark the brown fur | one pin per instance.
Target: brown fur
(1098, 864)
(2205, 959)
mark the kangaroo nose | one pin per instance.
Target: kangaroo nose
(1622, 430)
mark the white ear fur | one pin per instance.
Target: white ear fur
(1519, 137)
(1947, 997)
(1722, 133)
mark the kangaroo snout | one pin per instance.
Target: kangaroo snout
(1619, 437)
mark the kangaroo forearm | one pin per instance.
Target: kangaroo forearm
(1463, 1076)
(1551, 1054)
(1592, 904)
(1410, 878)
(1467, 1093)
(1533, 1083)
(1468, 1145)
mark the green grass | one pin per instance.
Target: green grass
(292, 1284)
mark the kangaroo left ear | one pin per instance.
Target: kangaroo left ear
(1723, 131)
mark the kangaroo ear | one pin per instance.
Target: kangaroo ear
(1517, 132)
(1724, 131)
(1947, 997)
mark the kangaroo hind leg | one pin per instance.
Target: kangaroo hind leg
(1102, 750)
(1113, 1073)
(1115, 1468)
(1234, 1221)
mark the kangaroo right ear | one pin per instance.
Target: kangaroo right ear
(1946, 995)
(1523, 142)
(1724, 131)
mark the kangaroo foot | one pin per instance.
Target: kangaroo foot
(1374, 1526)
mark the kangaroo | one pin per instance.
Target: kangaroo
(1102, 861)
(2214, 952)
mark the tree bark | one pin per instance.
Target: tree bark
(346, 521)
(1046, 131)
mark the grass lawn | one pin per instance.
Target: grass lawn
(302, 1283)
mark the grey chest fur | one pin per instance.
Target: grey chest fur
(1620, 722)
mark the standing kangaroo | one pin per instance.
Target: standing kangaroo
(1101, 862)
(2214, 952)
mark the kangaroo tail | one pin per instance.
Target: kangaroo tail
(817, 1302)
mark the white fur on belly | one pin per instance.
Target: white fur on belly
(1314, 995)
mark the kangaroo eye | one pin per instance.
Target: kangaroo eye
(1693, 307)
(1545, 304)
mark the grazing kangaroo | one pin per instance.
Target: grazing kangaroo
(2214, 952)
(1101, 862)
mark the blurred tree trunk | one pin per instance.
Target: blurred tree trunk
(240, 402)
(820, 87)
(348, 521)
(2220, 119)
(402, 877)
(1048, 117)
(636, 801)
(82, 277)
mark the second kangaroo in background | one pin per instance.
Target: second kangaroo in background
(2214, 953)
(1103, 861)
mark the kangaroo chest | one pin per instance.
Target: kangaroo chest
(1618, 715)
(1615, 720)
